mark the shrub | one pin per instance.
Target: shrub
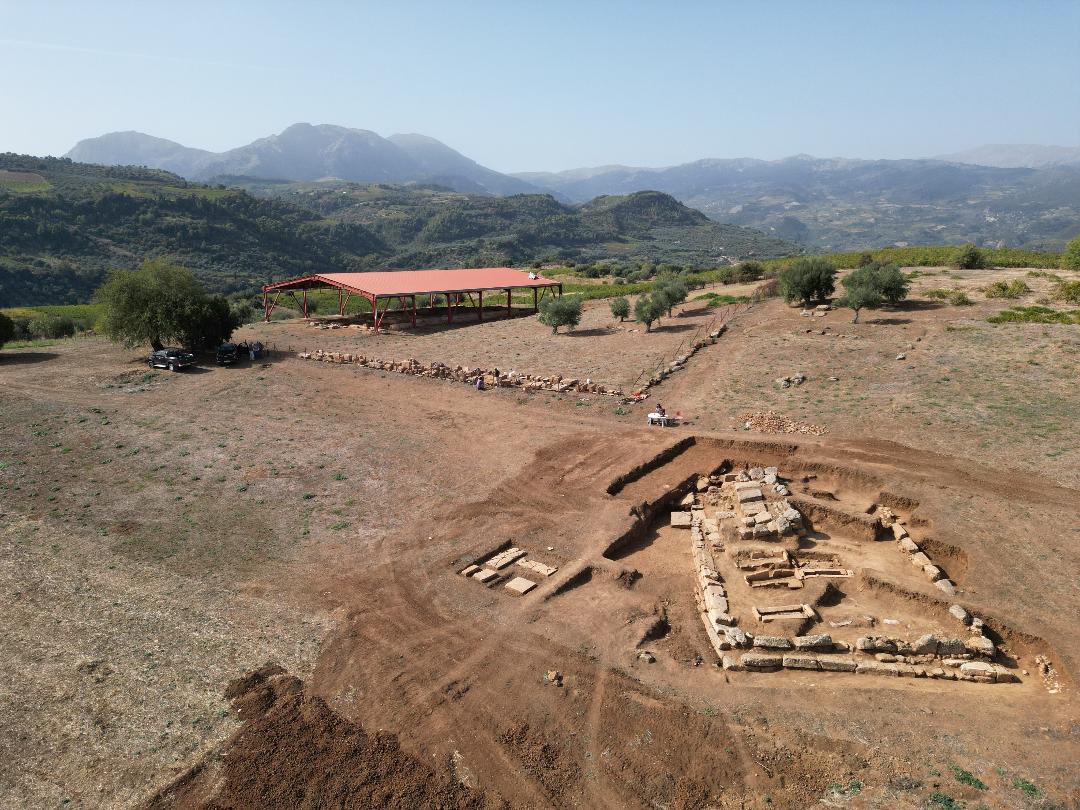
(647, 310)
(1067, 291)
(807, 280)
(1070, 259)
(52, 327)
(959, 298)
(562, 311)
(1036, 314)
(620, 308)
(1007, 289)
(968, 257)
(669, 291)
(7, 329)
(748, 271)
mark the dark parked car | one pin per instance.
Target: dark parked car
(171, 358)
(227, 354)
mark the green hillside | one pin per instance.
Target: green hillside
(64, 224)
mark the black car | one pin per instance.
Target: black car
(227, 354)
(173, 359)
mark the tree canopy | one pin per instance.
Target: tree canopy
(1070, 259)
(669, 290)
(647, 310)
(562, 311)
(620, 308)
(869, 286)
(808, 280)
(968, 257)
(162, 302)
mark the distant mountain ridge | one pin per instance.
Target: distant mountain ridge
(1016, 156)
(845, 204)
(306, 152)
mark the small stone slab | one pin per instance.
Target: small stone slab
(520, 585)
(836, 663)
(899, 532)
(485, 576)
(503, 559)
(469, 570)
(750, 495)
(680, 520)
(772, 642)
(918, 559)
(908, 545)
(538, 567)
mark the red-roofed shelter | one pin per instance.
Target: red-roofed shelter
(406, 285)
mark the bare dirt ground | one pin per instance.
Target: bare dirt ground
(165, 534)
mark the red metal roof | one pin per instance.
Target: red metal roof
(417, 282)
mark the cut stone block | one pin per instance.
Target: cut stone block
(981, 645)
(772, 642)
(836, 663)
(688, 501)
(680, 520)
(756, 473)
(899, 532)
(772, 470)
(486, 575)
(750, 495)
(822, 641)
(741, 486)
(755, 660)
(538, 567)
(469, 570)
(762, 518)
(504, 558)
(800, 662)
(520, 585)
(933, 572)
(908, 545)
(874, 668)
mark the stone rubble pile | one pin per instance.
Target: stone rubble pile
(465, 374)
(772, 422)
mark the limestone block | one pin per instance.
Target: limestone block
(772, 642)
(981, 645)
(932, 572)
(875, 668)
(836, 663)
(821, 641)
(680, 520)
(961, 615)
(750, 495)
(737, 637)
(772, 471)
(918, 559)
(688, 501)
(486, 575)
(925, 645)
(469, 570)
(756, 473)
(756, 660)
(520, 585)
(762, 518)
(976, 668)
(702, 484)
(538, 567)
(949, 647)
(908, 545)
(946, 586)
(741, 486)
(800, 662)
(899, 532)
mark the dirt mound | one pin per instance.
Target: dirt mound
(294, 752)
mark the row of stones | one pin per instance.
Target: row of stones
(512, 379)
(920, 559)
(680, 361)
(488, 571)
(954, 669)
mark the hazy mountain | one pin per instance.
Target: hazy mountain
(841, 204)
(306, 152)
(137, 149)
(1017, 155)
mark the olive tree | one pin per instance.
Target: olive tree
(562, 311)
(7, 329)
(968, 257)
(1070, 259)
(162, 302)
(648, 310)
(807, 280)
(620, 308)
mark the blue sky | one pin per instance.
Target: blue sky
(551, 85)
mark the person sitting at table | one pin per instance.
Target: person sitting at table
(660, 410)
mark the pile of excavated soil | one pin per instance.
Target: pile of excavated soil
(292, 751)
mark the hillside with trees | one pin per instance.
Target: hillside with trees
(64, 224)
